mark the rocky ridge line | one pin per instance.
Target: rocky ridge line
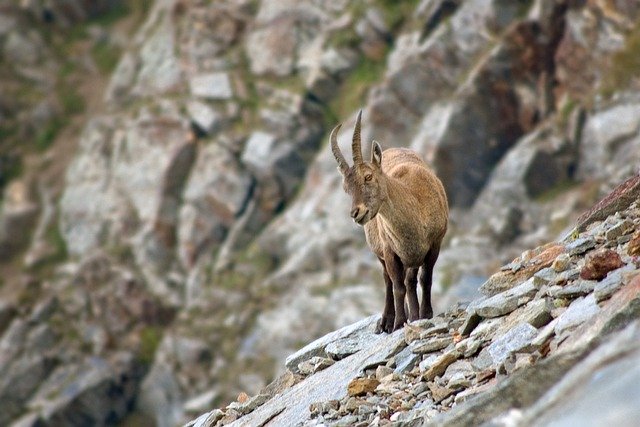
(553, 320)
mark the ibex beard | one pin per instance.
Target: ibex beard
(403, 208)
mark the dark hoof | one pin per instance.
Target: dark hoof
(399, 324)
(426, 313)
(384, 325)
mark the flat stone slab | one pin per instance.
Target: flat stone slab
(363, 328)
(578, 312)
(292, 406)
(507, 301)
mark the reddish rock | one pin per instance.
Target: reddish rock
(600, 263)
(633, 249)
(362, 386)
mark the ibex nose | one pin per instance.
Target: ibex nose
(354, 212)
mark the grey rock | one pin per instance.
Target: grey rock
(578, 288)
(578, 312)
(487, 328)
(427, 362)
(507, 301)
(618, 230)
(251, 404)
(470, 323)
(514, 340)
(122, 79)
(460, 367)
(258, 151)
(602, 131)
(483, 361)
(405, 360)
(264, 45)
(610, 284)
(202, 402)
(20, 379)
(215, 86)
(315, 364)
(544, 334)
(91, 383)
(344, 347)
(363, 328)
(158, 68)
(207, 420)
(545, 276)
(203, 116)
(431, 344)
(581, 245)
(160, 397)
(537, 313)
(216, 192)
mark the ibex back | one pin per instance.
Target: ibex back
(403, 208)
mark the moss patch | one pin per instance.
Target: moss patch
(150, 337)
(354, 90)
(106, 56)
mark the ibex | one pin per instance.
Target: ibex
(403, 208)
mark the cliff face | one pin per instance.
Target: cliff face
(180, 233)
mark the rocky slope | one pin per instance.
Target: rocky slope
(167, 246)
(553, 341)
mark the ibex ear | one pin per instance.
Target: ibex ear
(376, 153)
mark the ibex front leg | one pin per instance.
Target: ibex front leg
(396, 272)
(388, 315)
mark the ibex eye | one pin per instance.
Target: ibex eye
(368, 177)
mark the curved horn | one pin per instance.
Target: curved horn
(342, 163)
(355, 145)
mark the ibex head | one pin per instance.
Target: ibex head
(362, 181)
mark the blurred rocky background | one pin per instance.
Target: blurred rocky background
(172, 224)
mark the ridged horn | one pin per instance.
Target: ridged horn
(342, 162)
(356, 147)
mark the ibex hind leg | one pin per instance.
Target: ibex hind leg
(426, 279)
(411, 282)
(385, 324)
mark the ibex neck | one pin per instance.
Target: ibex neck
(397, 206)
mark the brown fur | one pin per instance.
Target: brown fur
(403, 208)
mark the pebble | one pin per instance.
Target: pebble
(361, 386)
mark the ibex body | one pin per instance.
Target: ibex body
(403, 208)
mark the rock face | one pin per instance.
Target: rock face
(512, 367)
(172, 225)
